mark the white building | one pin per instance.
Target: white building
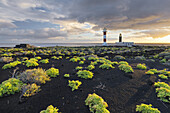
(126, 44)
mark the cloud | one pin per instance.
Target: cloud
(156, 33)
(5, 24)
(37, 19)
(31, 35)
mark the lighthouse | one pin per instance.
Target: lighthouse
(120, 37)
(104, 37)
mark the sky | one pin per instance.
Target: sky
(82, 21)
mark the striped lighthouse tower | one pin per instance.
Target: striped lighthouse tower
(104, 37)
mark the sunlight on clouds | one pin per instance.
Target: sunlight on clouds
(26, 5)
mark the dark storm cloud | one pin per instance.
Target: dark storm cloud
(113, 14)
(120, 14)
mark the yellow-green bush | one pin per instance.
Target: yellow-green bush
(52, 72)
(144, 108)
(10, 86)
(96, 104)
(50, 109)
(30, 89)
(34, 76)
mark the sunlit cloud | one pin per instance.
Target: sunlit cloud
(83, 20)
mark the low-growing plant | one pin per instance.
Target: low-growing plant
(10, 86)
(74, 84)
(126, 68)
(66, 75)
(96, 104)
(106, 66)
(30, 76)
(93, 63)
(67, 57)
(163, 91)
(144, 108)
(152, 71)
(163, 61)
(81, 62)
(12, 64)
(31, 63)
(54, 57)
(141, 66)
(44, 61)
(114, 63)
(79, 68)
(156, 56)
(82, 58)
(52, 72)
(90, 67)
(85, 74)
(6, 59)
(92, 58)
(38, 57)
(163, 76)
(123, 62)
(50, 109)
(30, 89)
(140, 58)
(119, 57)
(75, 59)
(149, 72)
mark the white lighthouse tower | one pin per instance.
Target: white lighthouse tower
(104, 37)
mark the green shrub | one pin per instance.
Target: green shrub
(44, 61)
(156, 56)
(106, 66)
(152, 71)
(163, 91)
(149, 72)
(12, 64)
(31, 63)
(66, 75)
(6, 59)
(94, 63)
(75, 59)
(92, 58)
(140, 58)
(114, 63)
(163, 76)
(79, 68)
(50, 109)
(126, 68)
(81, 62)
(54, 57)
(144, 108)
(30, 89)
(34, 76)
(85, 74)
(163, 61)
(90, 67)
(118, 57)
(74, 84)
(52, 72)
(38, 58)
(10, 86)
(96, 104)
(123, 62)
(141, 66)
(34, 59)
(67, 57)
